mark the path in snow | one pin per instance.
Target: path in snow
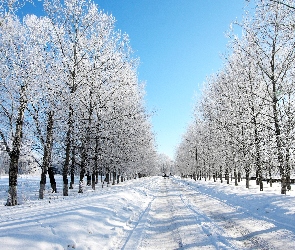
(170, 222)
(180, 217)
(243, 227)
(149, 213)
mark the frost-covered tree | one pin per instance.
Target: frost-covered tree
(19, 72)
(86, 40)
(271, 38)
(71, 79)
(247, 107)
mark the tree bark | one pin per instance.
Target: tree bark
(73, 164)
(247, 177)
(83, 168)
(46, 153)
(236, 177)
(93, 180)
(15, 152)
(13, 171)
(67, 154)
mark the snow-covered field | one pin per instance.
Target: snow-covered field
(149, 213)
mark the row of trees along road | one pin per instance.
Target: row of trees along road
(244, 122)
(69, 92)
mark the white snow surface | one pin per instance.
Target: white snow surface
(149, 213)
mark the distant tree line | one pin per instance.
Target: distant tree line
(245, 120)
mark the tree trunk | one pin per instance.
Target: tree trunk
(68, 150)
(257, 149)
(247, 178)
(89, 179)
(42, 185)
(276, 120)
(13, 170)
(93, 181)
(73, 163)
(83, 169)
(101, 180)
(270, 177)
(227, 176)
(14, 154)
(107, 178)
(260, 184)
(52, 179)
(96, 177)
(95, 167)
(46, 154)
(114, 177)
(287, 169)
(81, 181)
(118, 176)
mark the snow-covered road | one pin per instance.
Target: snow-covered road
(171, 222)
(151, 213)
(181, 217)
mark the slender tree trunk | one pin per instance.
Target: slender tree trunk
(89, 177)
(83, 169)
(68, 151)
(107, 176)
(101, 180)
(257, 149)
(96, 157)
(73, 165)
(93, 180)
(81, 181)
(270, 177)
(247, 177)
(96, 177)
(275, 107)
(239, 176)
(114, 177)
(227, 176)
(52, 179)
(236, 177)
(47, 154)
(13, 171)
(209, 173)
(118, 177)
(287, 169)
(15, 152)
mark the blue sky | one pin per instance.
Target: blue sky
(179, 43)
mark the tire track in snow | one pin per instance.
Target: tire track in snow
(139, 237)
(163, 229)
(237, 225)
(175, 232)
(169, 222)
(209, 227)
(133, 240)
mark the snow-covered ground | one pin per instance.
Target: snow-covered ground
(149, 213)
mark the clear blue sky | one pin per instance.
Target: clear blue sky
(179, 43)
